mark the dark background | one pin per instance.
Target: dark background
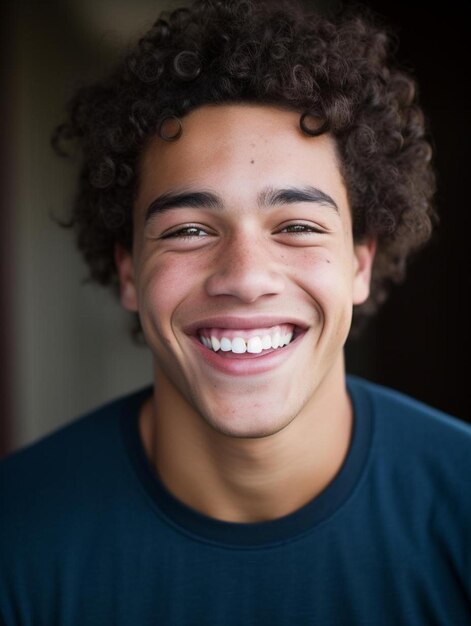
(420, 340)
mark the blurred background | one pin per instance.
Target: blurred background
(64, 344)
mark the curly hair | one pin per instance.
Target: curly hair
(338, 69)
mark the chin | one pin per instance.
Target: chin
(245, 425)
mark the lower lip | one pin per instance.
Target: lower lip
(253, 364)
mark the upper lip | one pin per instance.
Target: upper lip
(244, 323)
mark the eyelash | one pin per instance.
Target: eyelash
(177, 234)
(307, 231)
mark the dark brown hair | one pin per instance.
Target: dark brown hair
(337, 69)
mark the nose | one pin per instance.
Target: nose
(245, 269)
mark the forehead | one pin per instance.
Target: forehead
(241, 147)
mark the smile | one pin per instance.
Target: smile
(246, 351)
(239, 341)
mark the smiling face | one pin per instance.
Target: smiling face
(242, 230)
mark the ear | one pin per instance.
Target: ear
(363, 263)
(125, 268)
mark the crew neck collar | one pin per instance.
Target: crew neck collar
(257, 534)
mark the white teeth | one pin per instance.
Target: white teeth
(226, 345)
(286, 339)
(254, 345)
(275, 340)
(238, 345)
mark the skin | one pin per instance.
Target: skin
(245, 448)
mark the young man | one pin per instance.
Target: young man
(252, 175)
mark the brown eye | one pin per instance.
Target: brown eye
(300, 229)
(188, 232)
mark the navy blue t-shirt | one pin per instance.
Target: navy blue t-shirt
(90, 537)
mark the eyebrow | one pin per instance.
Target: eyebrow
(268, 197)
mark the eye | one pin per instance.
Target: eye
(187, 232)
(300, 229)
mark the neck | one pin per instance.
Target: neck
(252, 479)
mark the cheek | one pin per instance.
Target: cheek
(322, 272)
(163, 284)
(325, 277)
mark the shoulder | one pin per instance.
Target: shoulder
(88, 429)
(418, 474)
(55, 468)
(58, 494)
(417, 442)
(399, 412)
(418, 450)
